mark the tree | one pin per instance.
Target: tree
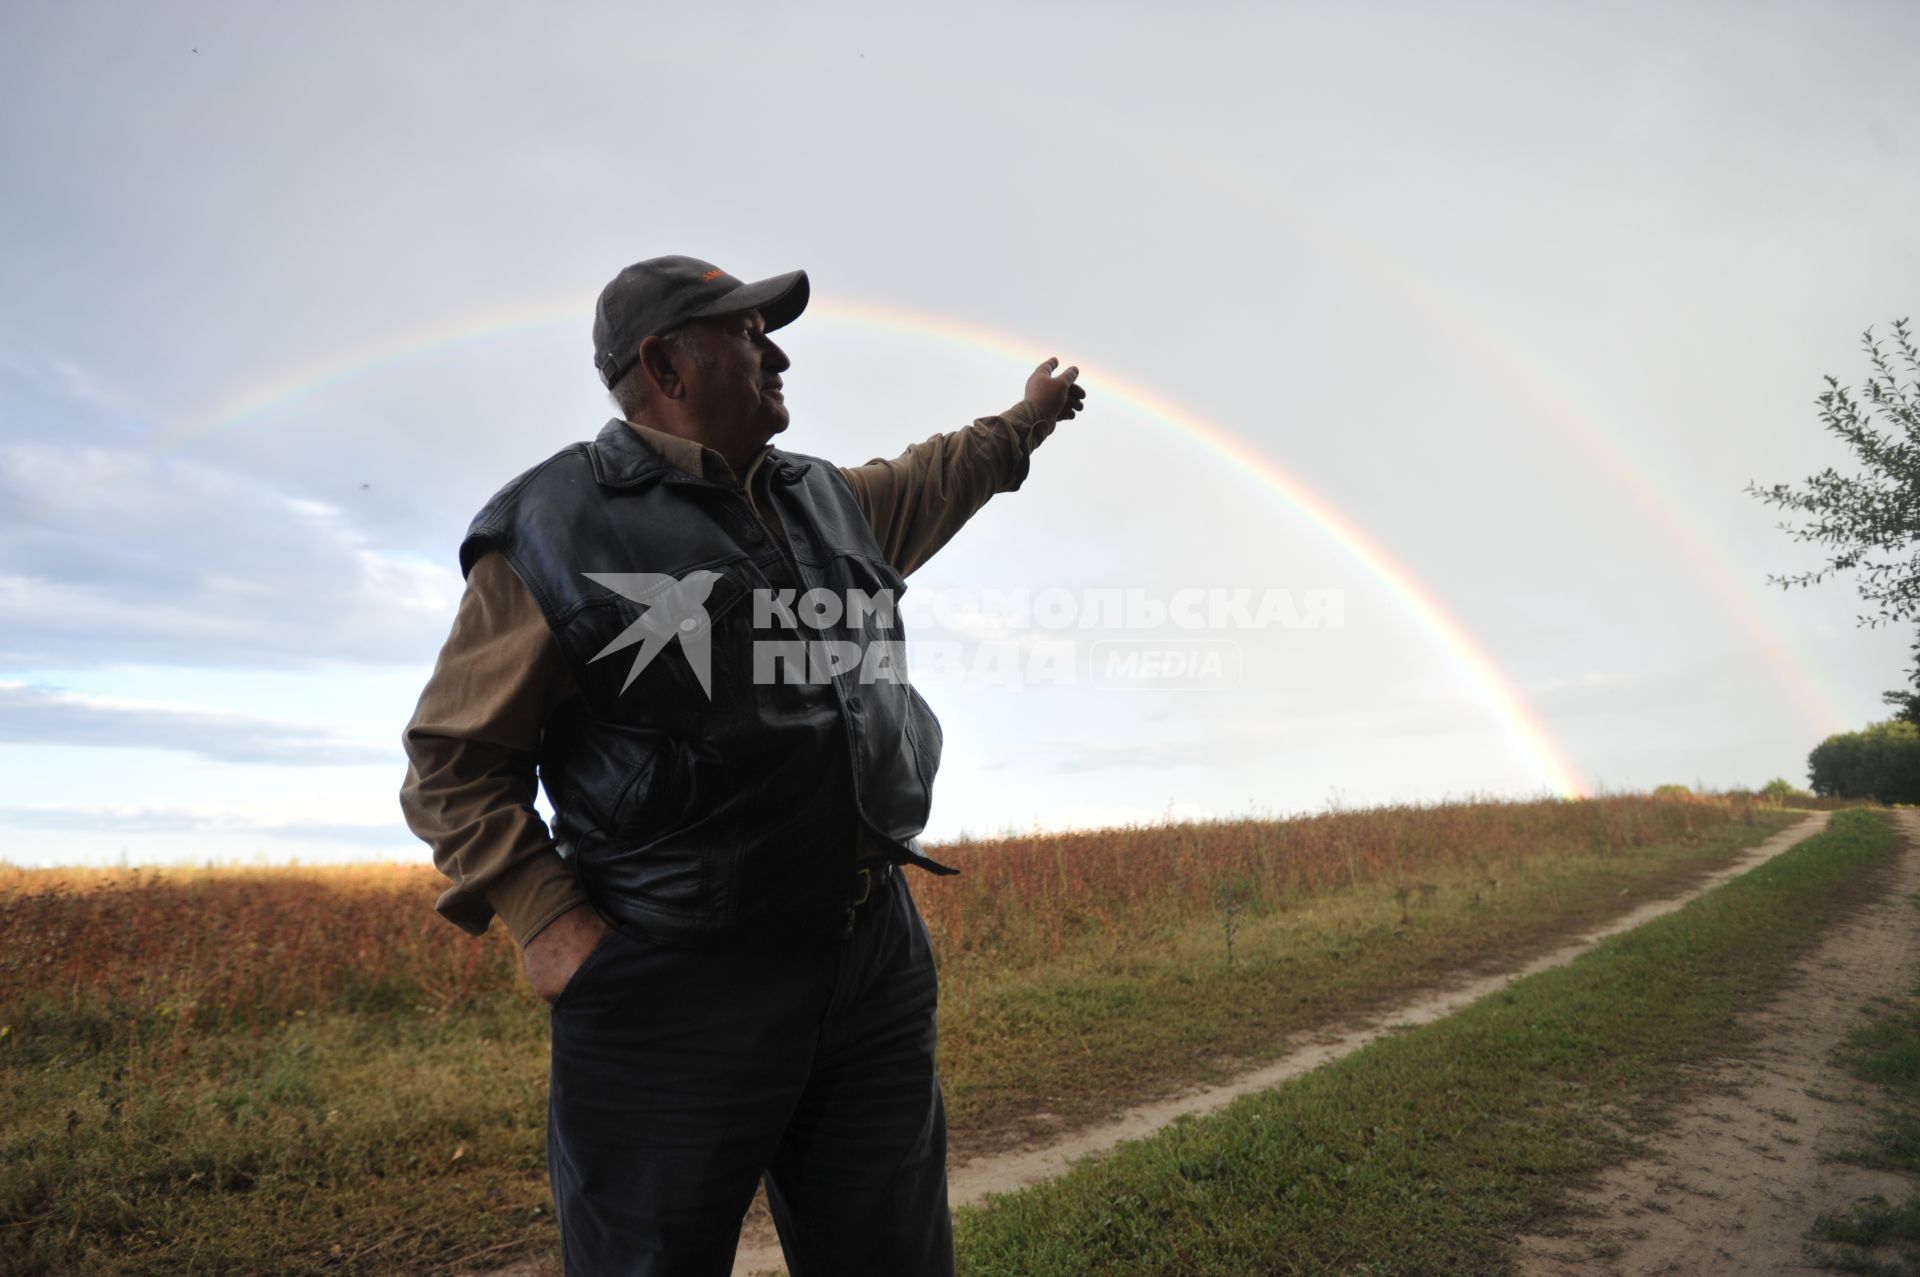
(1906, 704)
(1882, 762)
(1870, 522)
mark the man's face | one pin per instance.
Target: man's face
(738, 393)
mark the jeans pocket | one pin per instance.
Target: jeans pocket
(919, 938)
(595, 959)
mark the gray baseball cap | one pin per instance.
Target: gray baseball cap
(662, 293)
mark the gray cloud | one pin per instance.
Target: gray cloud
(43, 716)
(107, 556)
(122, 818)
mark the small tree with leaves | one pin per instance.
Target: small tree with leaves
(1906, 701)
(1870, 522)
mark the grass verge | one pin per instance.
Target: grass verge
(1881, 1237)
(1121, 1016)
(1430, 1151)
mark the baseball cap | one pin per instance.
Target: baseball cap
(661, 293)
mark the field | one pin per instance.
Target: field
(1427, 1152)
(307, 1071)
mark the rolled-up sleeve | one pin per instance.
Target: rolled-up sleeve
(919, 499)
(471, 748)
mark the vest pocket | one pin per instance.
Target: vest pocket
(651, 858)
(923, 732)
(650, 800)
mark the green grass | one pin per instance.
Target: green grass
(1118, 1015)
(1884, 1053)
(1429, 1151)
(264, 1155)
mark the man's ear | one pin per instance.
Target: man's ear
(656, 365)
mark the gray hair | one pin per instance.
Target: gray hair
(631, 392)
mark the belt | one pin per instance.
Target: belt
(872, 866)
(867, 875)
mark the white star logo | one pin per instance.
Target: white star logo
(675, 606)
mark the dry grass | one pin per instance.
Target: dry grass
(205, 948)
(1023, 899)
(307, 1070)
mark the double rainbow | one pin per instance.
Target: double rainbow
(1523, 725)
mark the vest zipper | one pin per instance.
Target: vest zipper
(800, 583)
(853, 757)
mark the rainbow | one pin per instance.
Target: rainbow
(1523, 725)
(1739, 588)
(1736, 586)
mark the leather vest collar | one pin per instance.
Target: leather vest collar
(622, 459)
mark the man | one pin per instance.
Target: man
(740, 983)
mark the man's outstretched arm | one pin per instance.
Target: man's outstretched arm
(916, 501)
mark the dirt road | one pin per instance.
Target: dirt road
(1735, 1185)
(971, 1181)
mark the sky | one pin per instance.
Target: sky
(1456, 331)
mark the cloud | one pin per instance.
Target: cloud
(32, 715)
(1076, 816)
(83, 387)
(1099, 756)
(1217, 745)
(1589, 692)
(62, 385)
(117, 818)
(1220, 732)
(114, 557)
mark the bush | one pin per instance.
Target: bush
(1672, 793)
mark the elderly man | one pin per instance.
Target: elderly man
(740, 983)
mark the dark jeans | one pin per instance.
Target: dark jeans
(681, 1076)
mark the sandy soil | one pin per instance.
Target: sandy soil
(1736, 1184)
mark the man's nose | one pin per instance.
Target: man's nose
(775, 359)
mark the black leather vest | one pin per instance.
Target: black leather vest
(693, 816)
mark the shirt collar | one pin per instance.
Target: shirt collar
(697, 458)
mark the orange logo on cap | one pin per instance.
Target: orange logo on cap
(711, 275)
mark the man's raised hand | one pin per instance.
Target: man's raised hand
(1055, 398)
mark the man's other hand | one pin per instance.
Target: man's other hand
(552, 957)
(1054, 398)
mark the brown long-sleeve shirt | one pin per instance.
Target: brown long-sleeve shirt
(473, 738)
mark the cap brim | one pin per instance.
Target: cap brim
(779, 299)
